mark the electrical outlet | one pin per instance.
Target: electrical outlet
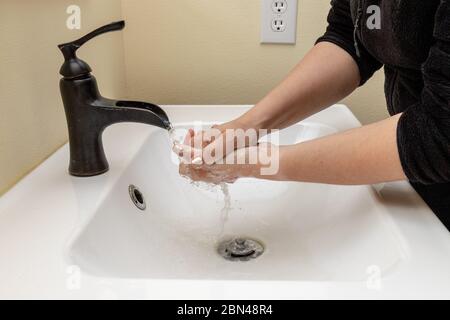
(279, 21)
(279, 6)
(278, 25)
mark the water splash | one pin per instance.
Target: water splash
(173, 138)
(223, 187)
(225, 212)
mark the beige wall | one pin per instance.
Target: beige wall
(208, 52)
(32, 122)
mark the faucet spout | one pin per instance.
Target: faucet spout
(141, 112)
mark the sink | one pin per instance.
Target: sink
(63, 237)
(310, 232)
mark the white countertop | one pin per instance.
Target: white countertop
(39, 216)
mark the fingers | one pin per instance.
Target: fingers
(186, 151)
(206, 154)
(188, 155)
(192, 172)
(210, 147)
(215, 174)
(178, 150)
(197, 161)
(204, 138)
(194, 143)
(215, 151)
(197, 139)
(189, 136)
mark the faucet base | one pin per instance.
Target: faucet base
(87, 174)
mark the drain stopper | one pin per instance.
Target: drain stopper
(240, 249)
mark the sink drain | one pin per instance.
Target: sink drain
(137, 197)
(240, 249)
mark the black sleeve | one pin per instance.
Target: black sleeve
(424, 128)
(340, 32)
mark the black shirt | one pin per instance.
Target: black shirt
(413, 45)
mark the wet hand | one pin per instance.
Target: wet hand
(244, 162)
(213, 145)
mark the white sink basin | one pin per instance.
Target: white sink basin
(311, 232)
(83, 238)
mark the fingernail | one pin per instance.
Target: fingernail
(177, 148)
(197, 161)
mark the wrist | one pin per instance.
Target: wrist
(239, 124)
(269, 165)
(231, 125)
(250, 121)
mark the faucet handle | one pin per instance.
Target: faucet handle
(115, 26)
(74, 67)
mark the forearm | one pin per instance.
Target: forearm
(326, 75)
(367, 155)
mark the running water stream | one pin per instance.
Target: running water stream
(225, 212)
(234, 248)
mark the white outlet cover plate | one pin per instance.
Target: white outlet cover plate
(289, 18)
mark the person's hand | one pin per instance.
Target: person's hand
(212, 145)
(244, 162)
